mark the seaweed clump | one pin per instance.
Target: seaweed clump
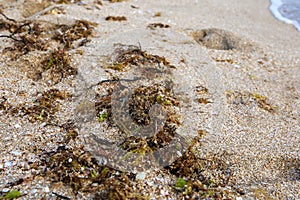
(58, 65)
(140, 104)
(26, 36)
(125, 56)
(6, 23)
(158, 25)
(246, 98)
(45, 106)
(67, 34)
(29, 36)
(4, 105)
(68, 1)
(115, 1)
(115, 18)
(79, 170)
(204, 177)
(147, 117)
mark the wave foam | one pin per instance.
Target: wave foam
(287, 11)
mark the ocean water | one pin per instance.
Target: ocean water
(287, 11)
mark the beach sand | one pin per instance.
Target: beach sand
(246, 62)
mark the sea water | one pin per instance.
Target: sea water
(287, 11)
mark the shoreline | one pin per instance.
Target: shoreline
(275, 6)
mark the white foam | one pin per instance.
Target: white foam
(275, 6)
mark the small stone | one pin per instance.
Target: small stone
(17, 126)
(43, 124)
(8, 164)
(16, 153)
(46, 189)
(33, 191)
(5, 190)
(141, 176)
(179, 153)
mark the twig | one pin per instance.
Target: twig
(118, 80)
(11, 36)
(20, 27)
(61, 196)
(9, 19)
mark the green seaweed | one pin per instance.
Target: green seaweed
(13, 194)
(102, 117)
(180, 183)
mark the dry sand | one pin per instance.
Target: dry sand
(248, 61)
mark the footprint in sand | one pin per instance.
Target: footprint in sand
(219, 39)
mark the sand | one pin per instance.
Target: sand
(246, 59)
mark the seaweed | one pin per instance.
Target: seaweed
(201, 90)
(44, 108)
(144, 98)
(204, 100)
(103, 102)
(124, 56)
(7, 23)
(158, 25)
(27, 36)
(157, 14)
(67, 34)
(225, 60)
(135, 117)
(201, 177)
(72, 167)
(116, 18)
(246, 98)
(263, 102)
(71, 132)
(79, 170)
(140, 103)
(67, 1)
(204, 177)
(58, 64)
(4, 105)
(13, 194)
(115, 1)
(180, 183)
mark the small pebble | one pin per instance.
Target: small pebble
(33, 191)
(5, 190)
(16, 153)
(179, 153)
(141, 176)
(46, 189)
(8, 164)
(17, 126)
